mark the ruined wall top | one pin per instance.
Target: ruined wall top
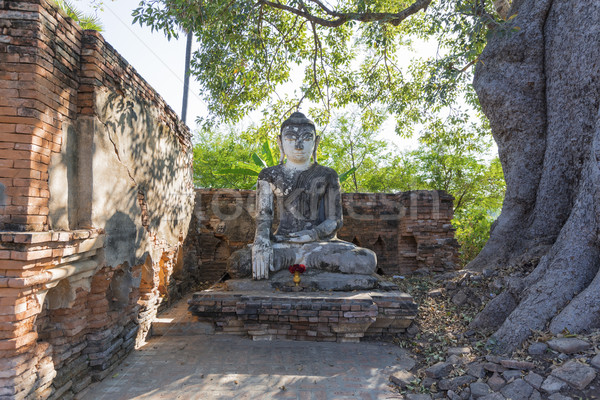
(53, 70)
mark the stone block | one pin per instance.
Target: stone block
(496, 382)
(439, 370)
(454, 383)
(479, 389)
(402, 378)
(518, 389)
(575, 374)
(534, 380)
(552, 385)
(568, 345)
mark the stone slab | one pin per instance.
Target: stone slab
(312, 281)
(230, 367)
(576, 374)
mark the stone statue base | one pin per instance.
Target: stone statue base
(312, 281)
(318, 316)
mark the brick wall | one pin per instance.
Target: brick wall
(39, 91)
(408, 231)
(93, 207)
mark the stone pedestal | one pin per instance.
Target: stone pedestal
(318, 316)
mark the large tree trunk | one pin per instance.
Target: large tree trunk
(540, 88)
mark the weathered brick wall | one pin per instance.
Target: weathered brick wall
(408, 231)
(95, 200)
(326, 317)
(38, 92)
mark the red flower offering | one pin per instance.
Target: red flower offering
(297, 268)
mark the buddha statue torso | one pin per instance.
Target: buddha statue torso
(310, 214)
(305, 200)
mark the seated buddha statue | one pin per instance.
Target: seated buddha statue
(309, 206)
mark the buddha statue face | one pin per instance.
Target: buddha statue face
(298, 142)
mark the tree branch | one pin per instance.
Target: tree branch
(341, 18)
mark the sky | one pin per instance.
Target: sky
(162, 62)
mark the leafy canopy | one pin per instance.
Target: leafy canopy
(346, 51)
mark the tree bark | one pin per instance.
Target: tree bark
(540, 88)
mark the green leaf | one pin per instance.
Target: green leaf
(259, 161)
(237, 171)
(90, 22)
(253, 167)
(266, 150)
(346, 174)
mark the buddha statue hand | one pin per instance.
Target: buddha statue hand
(262, 258)
(304, 236)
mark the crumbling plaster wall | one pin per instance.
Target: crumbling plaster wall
(95, 201)
(126, 173)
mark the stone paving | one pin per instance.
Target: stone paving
(232, 367)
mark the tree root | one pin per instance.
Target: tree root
(563, 287)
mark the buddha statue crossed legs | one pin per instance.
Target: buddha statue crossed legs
(310, 213)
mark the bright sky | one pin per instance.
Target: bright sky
(162, 63)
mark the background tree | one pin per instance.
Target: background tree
(346, 52)
(218, 150)
(539, 90)
(352, 144)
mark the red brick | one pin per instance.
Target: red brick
(29, 219)
(33, 237)
(7, 128)
(22, 190)
(32, 210)
(19, 173)
(37, 183)
(20, 138)
(30, 201)
(19, 155)
(32, 147)
(8, 93)
(40, 129)
(30, 255)
(11, 111)
(20, 341)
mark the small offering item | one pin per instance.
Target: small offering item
(297, 269)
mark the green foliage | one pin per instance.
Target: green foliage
(473, 226)
(454, 156)
(352, 146)
(217, 151)
(91, 22)
(346, 53)
(254, 168)
(267, 160)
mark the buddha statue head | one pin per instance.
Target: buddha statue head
(297, 139)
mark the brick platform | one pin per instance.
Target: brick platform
(339, 316)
